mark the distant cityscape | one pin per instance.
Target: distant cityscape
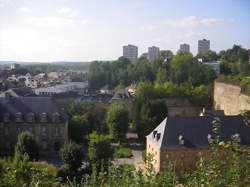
(131, 51)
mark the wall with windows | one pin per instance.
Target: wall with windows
(181, 159)
(49, 136)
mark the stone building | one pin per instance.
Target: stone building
(179, 140)
(40, 116)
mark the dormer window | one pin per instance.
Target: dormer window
(56, 117)
(209, 138)
(6, 118)
(30, 117)
(43, 118)
(19, 117)
(237, 137)
(154, 134)
(158, 136)
(181, 140)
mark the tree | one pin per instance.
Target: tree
(72, 155)
(100, 151)
(79, 127)
(166, 53)
(147, 114)
(162, 76)
(208, 55)
(117, 120)
(26, 143)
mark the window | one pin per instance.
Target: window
(57, 131)
(30, 117)
(43, 118)
(181, 140)
(18, 117)
(18, 130)
(57, 146)
(209, 138)
(6, 118)
(30, 129)
(182, 155)
(56, 117)
(44, 131)
(44, 144)
(6, 131)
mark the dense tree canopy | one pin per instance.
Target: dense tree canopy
(100, 151)
(26, 143)
(117, 120)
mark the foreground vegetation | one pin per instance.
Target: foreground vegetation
(232, 170)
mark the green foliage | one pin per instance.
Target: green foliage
(26, 143)
(123, 152)
(100, 151)
(21, 172)
(246, 115)
(79, 127)
(208, 56)
(147, 111)
(235, 62)
(118, 120)
(79, 108)
(72, 155)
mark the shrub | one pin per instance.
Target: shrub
(124, 152)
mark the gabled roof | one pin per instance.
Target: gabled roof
(26, 105)
(121, 94)
(195, 130)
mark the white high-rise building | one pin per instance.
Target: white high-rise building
(185, 47)
(203, 45)
(130, 52)
(153, 53)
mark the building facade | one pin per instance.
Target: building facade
(185, 47)
(130, 52)
(60, 88)
(203, 45)
(153, 53)
(40, 116)
(179, 140)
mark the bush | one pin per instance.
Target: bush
(44, 165)
(124, 152)
(72, 154)
(26, 143)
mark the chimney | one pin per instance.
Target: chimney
(7, 95)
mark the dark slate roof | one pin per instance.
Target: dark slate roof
(26, 105)
(195, 131)
(213, 113)
(23, 91)
(121, 94)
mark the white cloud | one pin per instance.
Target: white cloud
(68, 12)
(193, 21)
(3, 3)
(187, 22)
(24, 9)
(85, 21)
(57, 22)
(193, 35)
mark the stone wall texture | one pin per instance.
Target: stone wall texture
(229, 98)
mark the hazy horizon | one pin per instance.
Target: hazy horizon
(74, 30)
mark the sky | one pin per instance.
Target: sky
(87, 30)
